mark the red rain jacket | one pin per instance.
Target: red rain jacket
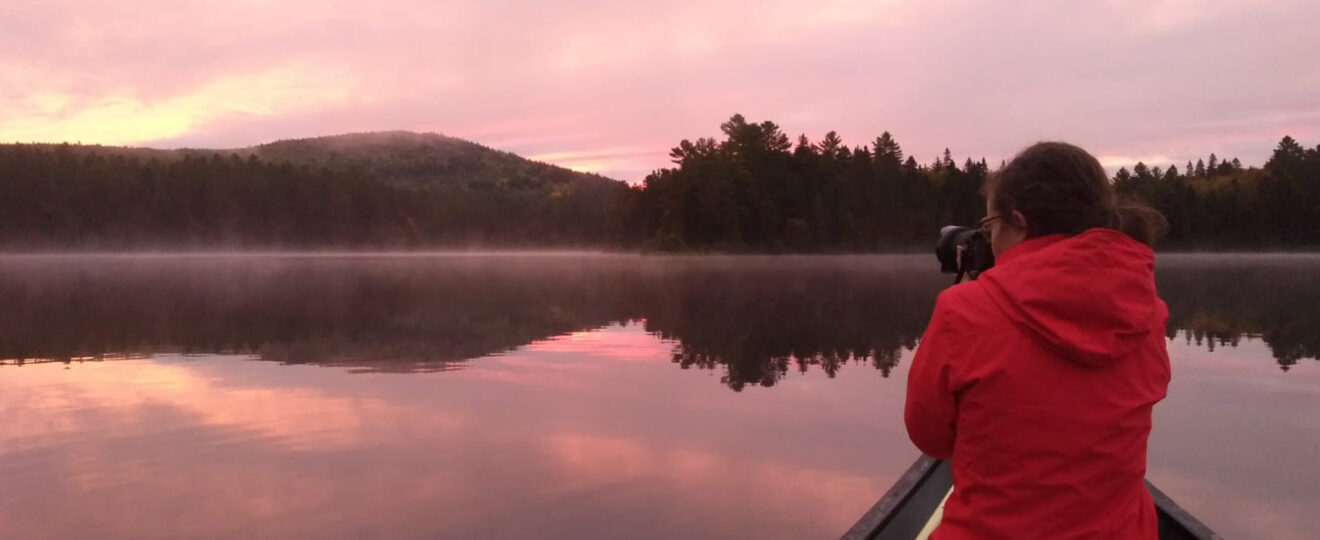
(1038, 380)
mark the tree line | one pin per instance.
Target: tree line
(753, 190)
(757, 190)
(1220, 205)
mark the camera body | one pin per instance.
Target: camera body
(976, 255)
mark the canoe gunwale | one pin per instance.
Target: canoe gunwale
(904, 509)
(1175, 522)
(923, 485)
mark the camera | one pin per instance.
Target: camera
(976, 255)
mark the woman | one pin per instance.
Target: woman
(1037, 380)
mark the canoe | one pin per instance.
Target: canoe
(912, 508)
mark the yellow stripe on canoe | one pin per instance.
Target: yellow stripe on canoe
(934, 518)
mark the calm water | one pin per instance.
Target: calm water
(566, 396)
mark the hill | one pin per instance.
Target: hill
(426, 160)
(405, 158)
(394, 189)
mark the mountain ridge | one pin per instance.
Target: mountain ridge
(393, 190)
(408, 158)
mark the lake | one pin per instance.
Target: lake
(472, 395)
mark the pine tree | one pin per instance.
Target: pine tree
(1122, 175)
(1140, 171)
(831, 145)
(887, 151)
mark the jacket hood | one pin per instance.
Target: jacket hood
(1090, 297)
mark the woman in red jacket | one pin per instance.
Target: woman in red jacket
(1037, 379)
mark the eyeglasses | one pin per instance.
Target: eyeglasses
(985, 222)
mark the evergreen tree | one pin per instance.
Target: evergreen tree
(1141, 172)
(887, 151)
(831, 145)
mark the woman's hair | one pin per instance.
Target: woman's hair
(1062, 189)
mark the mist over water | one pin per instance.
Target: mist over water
(622, 395)
(423, 312)
(390, 310)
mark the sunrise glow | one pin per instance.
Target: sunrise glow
(605, 88)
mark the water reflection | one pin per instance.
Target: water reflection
(754, 319)
(761, 322)
(1218, 300)
(585, 434)
(751, 317)
(575, 418)
(548, 441)
(378, 315)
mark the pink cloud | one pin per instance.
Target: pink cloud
(626, 343)
(577, 77)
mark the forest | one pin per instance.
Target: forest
(379, 191)
(758, 190)
(753, 190)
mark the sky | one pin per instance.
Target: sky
(609, 87)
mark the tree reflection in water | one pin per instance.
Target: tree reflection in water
(762, 321)
(1219, 299)
(756, 318)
